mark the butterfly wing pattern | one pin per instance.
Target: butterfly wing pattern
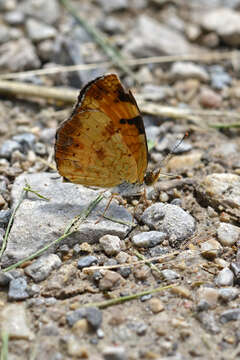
(103, 143)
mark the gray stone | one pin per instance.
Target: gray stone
(219, 78)
(8, 147)
(49, 11)
(150, 37)
(228, 294)
(87, 261)
(222, 189)
(39, 222)
(40, 149)
(228, 234)
(92, 314)
(18, 289)
(230, 315)
(170, 219)
(26, 140)
(17, 55)
(125, 271)
(154, 92)
(5, 278)
(148, 239)
(7, 5)
(40, 269)
(114, 353)
(225, 277)
(14, 17)
(5, 34)
(169, 275)
(38, 31)
(110, 244)
(110, 6)
(225, 22)
(13, 321)
(208, 321)
(235, 267)
(5, 217)
(186, 70)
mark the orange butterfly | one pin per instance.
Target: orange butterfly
(103, 143)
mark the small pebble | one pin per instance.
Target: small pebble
(40, 269)
(110, 280)
(111, 244)
(146, 297)
(26, 140)
(114, 353)
(210, 249)
(228, 294)
(155, 305)
(228, 234)
(169, 275)
(87, 261)
(40, 149)
(5, 217)
(230, 315)
(208, 321)
(92, 314)
(149, 238)
(210, 99)
(224, 278)
(235, 267)
(18, 289)
(125, 271)
(8, 147)
(208, 295)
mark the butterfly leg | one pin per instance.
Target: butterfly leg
(113, 195)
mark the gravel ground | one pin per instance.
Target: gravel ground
(187, 238)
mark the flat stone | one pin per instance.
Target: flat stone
(41, 268)
(148, 239)
(222, 189)
(18, 289)
(8, 147)
(49, 11)
(39, 222)
(13, 321)
(225, 22)
(86, 261)
(38, 31)
(230, 315)
(114, 353)
(186, 70)
(17, 55)
(150, 37)
(228, 293)
(228, 234)
(170, 219)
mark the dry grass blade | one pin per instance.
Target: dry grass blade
(204, 57)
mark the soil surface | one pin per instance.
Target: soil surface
(159, 276)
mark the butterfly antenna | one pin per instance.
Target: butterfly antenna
(176, 146)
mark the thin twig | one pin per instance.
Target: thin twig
(147, 262)
(134, 263)
(70, 96)
(70, 229)
(119, 300)
(5, 239)
(205, 57)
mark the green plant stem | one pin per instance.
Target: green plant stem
(119, 300)
(73, 225)
(4, 350)
(148, 263)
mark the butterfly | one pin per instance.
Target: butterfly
(103, 143)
